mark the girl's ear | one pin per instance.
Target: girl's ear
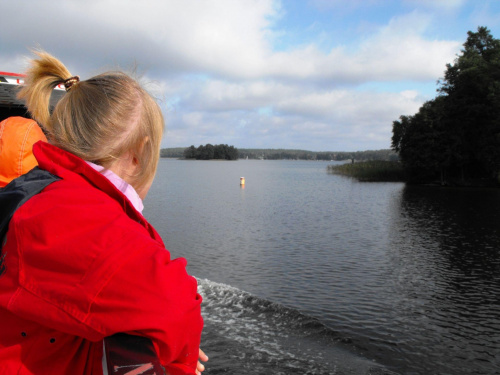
(135, 158)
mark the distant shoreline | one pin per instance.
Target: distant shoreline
(294, 154)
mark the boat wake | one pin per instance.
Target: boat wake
(251, 335)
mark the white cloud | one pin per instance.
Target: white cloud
(275, 113)
(351, 107)
(213, 66)
(223, 38)
(224, 96)
(187, 35)
(398, 51)
(11, 63)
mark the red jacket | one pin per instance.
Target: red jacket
(82, 264)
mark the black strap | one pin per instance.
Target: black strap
(18, 191)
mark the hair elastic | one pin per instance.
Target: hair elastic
(70, 82)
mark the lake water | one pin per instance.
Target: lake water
(305, 272)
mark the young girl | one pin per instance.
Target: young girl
(79, 262)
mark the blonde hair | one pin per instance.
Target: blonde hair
(98, 119)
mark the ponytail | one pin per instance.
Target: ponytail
(41, 78)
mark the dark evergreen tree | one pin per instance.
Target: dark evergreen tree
(210, 151)
(190, 153)
(457, 135)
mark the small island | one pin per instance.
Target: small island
(210, 152)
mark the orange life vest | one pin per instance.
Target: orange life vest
(17, 136)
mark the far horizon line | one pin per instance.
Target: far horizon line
(284, 149)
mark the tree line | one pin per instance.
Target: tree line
(284, 154)
(455, 138)
(210, 151)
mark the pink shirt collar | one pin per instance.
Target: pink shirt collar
(121, 185)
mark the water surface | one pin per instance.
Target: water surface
(308, 272)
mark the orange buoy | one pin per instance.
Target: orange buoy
(242, 181)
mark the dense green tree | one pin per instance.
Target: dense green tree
(421, 142)
(456, 136)
(207, 152)
(472, 85)
(220, 152)
(231, 153)
(210, 151)
(190, 153)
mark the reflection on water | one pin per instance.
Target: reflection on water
(445, 251)
(408, 276)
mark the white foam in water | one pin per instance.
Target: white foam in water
(264, 337)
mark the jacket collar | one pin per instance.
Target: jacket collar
(72, 168)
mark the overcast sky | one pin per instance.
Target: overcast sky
(320, 75)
